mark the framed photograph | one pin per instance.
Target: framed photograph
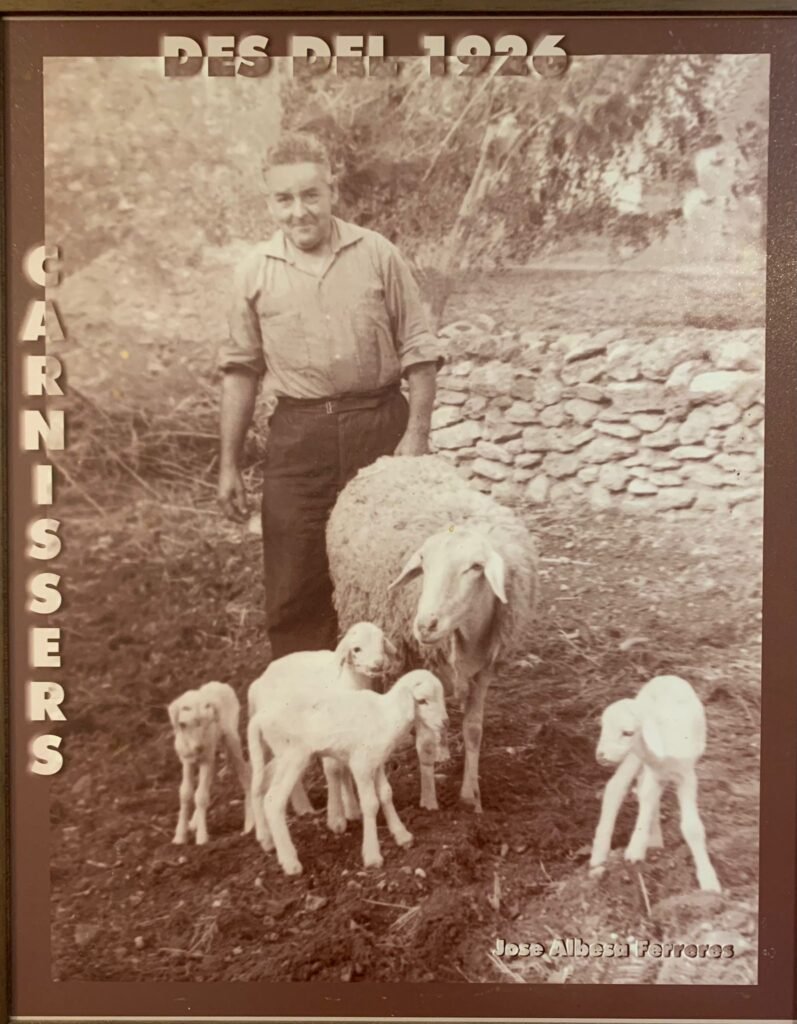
(401, 593)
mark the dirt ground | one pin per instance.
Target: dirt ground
(161, 593)
(151, 613)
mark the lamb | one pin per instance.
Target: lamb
(363, 654)
(358, 728)
(657, 737)
(445, 569)
(200, 718)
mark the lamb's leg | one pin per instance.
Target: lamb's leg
(472, 733)
(369, 805)
(243, 771)
(649, 793)
(655, 840)
(336, 814)
(202, 799)
(300, 801)
(260, 777)
(288, 768)
(426, 747)
(351, 807)
(384, 791)
(695, 834)
(613, 796)
(186, 797)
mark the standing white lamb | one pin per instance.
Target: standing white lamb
(200, 718)
(656, 737)
(358, 728)
(448, 572)
(363, 655)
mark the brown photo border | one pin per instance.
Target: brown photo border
(25, 43)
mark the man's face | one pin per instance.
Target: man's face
(300, 197)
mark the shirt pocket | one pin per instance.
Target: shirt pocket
(285, 340)
(376, 350)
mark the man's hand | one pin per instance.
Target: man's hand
(238, 394)
(232, 494)
(414, 442)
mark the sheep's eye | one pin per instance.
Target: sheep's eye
(628, 732)
(423, 700)
(356, 650)
(476, 567)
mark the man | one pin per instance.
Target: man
(331, 313)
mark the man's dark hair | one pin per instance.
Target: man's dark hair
(297, 148)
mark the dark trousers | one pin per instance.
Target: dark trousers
(313, 450)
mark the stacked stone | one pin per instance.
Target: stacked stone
(644, 421)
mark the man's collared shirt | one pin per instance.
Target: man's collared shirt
(356, 328)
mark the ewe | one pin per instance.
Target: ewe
(448, 572)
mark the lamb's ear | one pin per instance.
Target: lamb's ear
(651, 735)
(342, 652)
(210, 711)
(174, 710)
(494, 572)
(412, 567)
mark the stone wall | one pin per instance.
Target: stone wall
(640, 420)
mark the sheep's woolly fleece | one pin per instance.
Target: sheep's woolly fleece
(384, 514)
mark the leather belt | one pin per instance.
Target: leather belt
(341, 403)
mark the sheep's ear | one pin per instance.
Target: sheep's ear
(495, 573)
(412, 567)
(174, 710)
(651, 735)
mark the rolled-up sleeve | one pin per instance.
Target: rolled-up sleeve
(243, 349)
(415, 343)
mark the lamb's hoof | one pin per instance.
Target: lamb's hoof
(179, 840)
(597, 870)
(201, 839)
(429, 803)
(266, 845)
(292, 867)
(247, 829)
(710, 883)
(634, 855)
(337, 826)
(373, 862)
(403, 838)
(655, 844)
(472, 802)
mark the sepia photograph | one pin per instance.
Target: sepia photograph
(414, 494)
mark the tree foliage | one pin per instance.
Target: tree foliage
(134, 158)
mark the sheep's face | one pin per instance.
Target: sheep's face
(366, 648)
(430, 703)
(195, 723)
(463, 577)
(619, 729)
